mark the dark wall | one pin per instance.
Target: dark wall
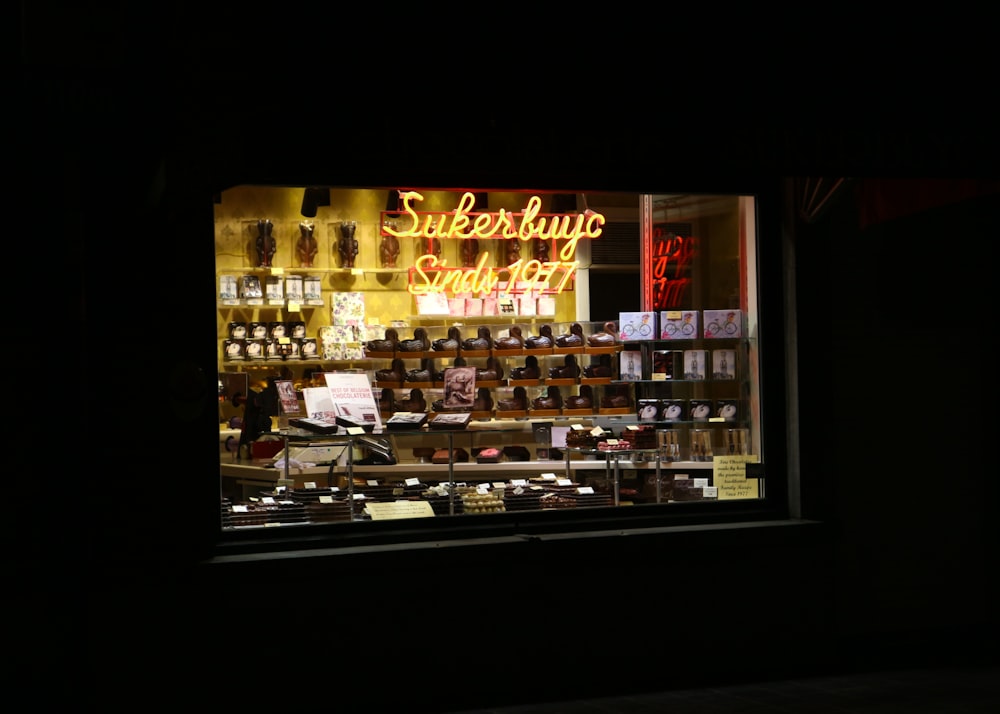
(892, 322)
(896, 430)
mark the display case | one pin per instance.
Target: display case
(678, 369)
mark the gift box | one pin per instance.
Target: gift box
(695, 362)
(256, 349)
(630, 366)
(348, 308)
(723, 323)
(727, 409)
(723, 364)
(506, 306)
(489, 306)
(234, 350)
(546, 305)
(668, 364)
(637, 325)
(228, 287)
(312, 288)
(649, 409)
(526, 305)
(678, 324)
(310, 348)
(673, 410)
(701, 409)
(338, 342)
(432, 304)
(473, 307)
(456, 307)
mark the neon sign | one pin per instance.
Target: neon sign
(431, 274)
(669, 286)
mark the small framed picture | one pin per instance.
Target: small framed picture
(287, 397)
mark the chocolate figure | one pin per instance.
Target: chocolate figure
(540, 250)
(307, 247)
(389, 249)
(470, 251)
(513, 250)
(267, 246)
(347, 246)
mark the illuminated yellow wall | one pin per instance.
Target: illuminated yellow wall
(386, 296)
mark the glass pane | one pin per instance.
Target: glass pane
(389, 354)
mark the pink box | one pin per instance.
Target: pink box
(723, 323)
(432, 304)
(473, 306)
(546, 305)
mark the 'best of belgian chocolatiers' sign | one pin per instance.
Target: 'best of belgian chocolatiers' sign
(431, 274)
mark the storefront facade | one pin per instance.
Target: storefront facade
(435, 618)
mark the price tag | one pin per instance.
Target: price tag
(612, 442)
(326, 499)
(585, 489)
(548, 477)
(578, 427)
(563, 482)
(240, 509)
(710, 492)
(371, 482)
(701, 483)
(359, 497)
(275, 270)
(412, 482)
(357, 271)
(267, 500)
(355, 430)
(597, 431)
(632, 427)
(498, 484)
(518, 482)
(310, 484)
(482, 490)
(294, 306)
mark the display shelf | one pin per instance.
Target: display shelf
(257, 363)
(276, 270)
(580, 471)
(297, 306)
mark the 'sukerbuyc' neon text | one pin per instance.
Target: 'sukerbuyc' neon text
(431, 274)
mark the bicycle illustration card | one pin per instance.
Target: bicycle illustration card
(723, 323)
(637, 326)
(678, 324)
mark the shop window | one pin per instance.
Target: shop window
(449, 359)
